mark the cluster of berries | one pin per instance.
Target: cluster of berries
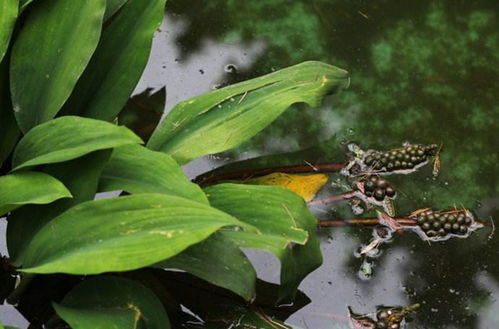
(387, 319)
(378, 188)
(407, 157)
(441, 224)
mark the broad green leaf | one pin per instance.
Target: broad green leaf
(219, 261)
(29, 188)
(68, 138)
(136, 169)
(108, 302)
(8, 15)
(225, 118)
(118, 62)
(24, 223)
(121, 234)
(280, 215)
(52, 50)
(112, 6)
(273, 210)
(9, 132)
(143, 112)
(23, 4)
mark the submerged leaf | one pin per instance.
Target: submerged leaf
(52, 50)
(223, 119)
(67, 138)
(305, 186)
(29, 188)
(107, 302)
(121, 234)
(143, 112)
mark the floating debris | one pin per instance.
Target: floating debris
(386, 318)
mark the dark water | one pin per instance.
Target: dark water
(422, 71)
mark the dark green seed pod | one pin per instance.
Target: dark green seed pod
(448, 227)
(377, 156)
(383, 160)
(414, 159)
(369, 186)
(467, 220)
(394, 326)
(460, 219)
(421, 219)
(426, 226)
(407, 157)
(389, 166)
(420, 152)
(403, 164)
(442, 232)
(397, 164)
(463, 229)
(431, 150)
(436, 225)
(369, 160)
(368, 193)
(431, 217)
(379, 194)
(390, 192)
(403, 151)
(392, 157)
(400, 156)
(431, 233)
(382, 183)
(451, 219)
(381, 325)
(374, 179)
(442, 220)
(455, 227)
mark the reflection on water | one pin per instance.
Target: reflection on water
(422, 71)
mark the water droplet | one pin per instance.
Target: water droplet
(350, 131)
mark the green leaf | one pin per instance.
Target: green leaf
(8, 16)
(225, 118)
(135, 169)
(23, 4)
(9, 132)
(121, 234)
(285, 223)
(143, 112)
(118, 62)
(112, 6)
(24, 223)
(52, 50)
(29, 188)
(108, 302)
(68, 138)
(219, 261)
(273, 210)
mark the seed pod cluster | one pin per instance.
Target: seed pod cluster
(407, 157)
(378, 188)
(436, 224)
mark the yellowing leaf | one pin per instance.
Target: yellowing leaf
(305, 186)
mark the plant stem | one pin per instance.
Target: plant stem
(333, 199)
(362, 222)
(208, 179)
(15, 296)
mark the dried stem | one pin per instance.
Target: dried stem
(363, 222)
(208, 179)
